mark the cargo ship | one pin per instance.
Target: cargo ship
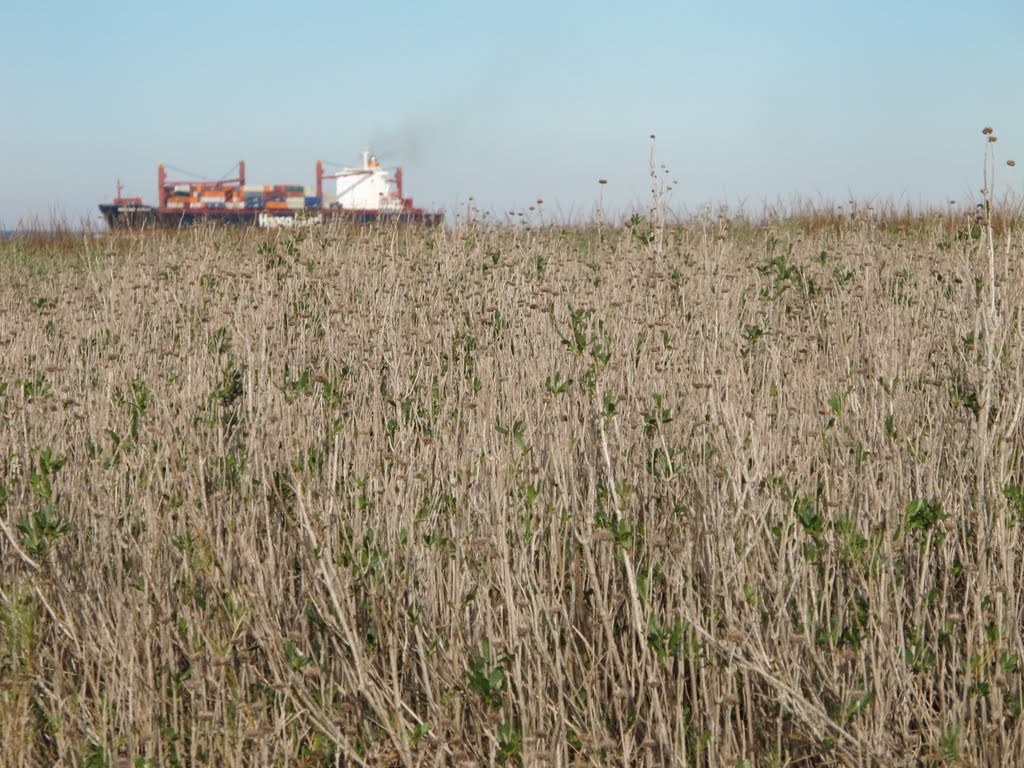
(366, 193)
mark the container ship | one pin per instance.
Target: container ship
(362, 194)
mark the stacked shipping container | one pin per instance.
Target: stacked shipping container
(198, 196)
(181, 196)
(284, 197)
(279, 197)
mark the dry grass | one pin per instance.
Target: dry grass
(706, 495)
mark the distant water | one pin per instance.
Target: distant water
(11, 234)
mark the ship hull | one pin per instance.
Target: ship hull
(143, 216)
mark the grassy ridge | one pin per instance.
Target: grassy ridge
(691, 495)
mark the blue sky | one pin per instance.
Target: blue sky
(750, 101)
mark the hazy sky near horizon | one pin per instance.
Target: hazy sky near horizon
(751, 102)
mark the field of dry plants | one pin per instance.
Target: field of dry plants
(712, 494)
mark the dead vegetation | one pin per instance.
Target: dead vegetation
(715, 494)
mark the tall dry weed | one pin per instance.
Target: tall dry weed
(703, 495)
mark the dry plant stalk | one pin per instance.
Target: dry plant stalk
(483, 496)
